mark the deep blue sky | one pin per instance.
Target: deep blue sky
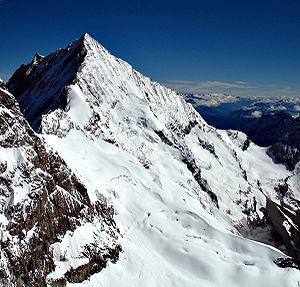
(241, 47)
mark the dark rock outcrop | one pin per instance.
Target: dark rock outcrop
(190, 163)
(163, 138)
(287, 263)
(286, 223)
(284, 154)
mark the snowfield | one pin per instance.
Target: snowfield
(169, 235)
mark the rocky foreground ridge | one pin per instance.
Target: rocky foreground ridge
(42, 200)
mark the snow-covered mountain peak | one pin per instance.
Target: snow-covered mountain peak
(183, 191)
(87, 38)
(89, 41)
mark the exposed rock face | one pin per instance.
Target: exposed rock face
(288, 263)
(286, 222)
(285, 154)
(28, 81)
(41, 202)
(14, 130)
(2, 86)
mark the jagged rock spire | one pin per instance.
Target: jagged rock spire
(37, 58)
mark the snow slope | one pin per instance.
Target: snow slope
(170, 237)
(182, 190)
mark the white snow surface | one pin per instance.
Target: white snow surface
(173, 234)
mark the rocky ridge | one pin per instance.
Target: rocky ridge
(42, 200)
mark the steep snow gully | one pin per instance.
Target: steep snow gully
(150, 194)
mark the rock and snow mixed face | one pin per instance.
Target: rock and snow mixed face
(40, 86)
(48, 224)
(182, 190)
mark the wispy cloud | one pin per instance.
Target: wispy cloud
(238, 88)
(241, 82)
(197, 86)
(212, 99)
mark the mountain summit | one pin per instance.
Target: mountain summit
(187, 197)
